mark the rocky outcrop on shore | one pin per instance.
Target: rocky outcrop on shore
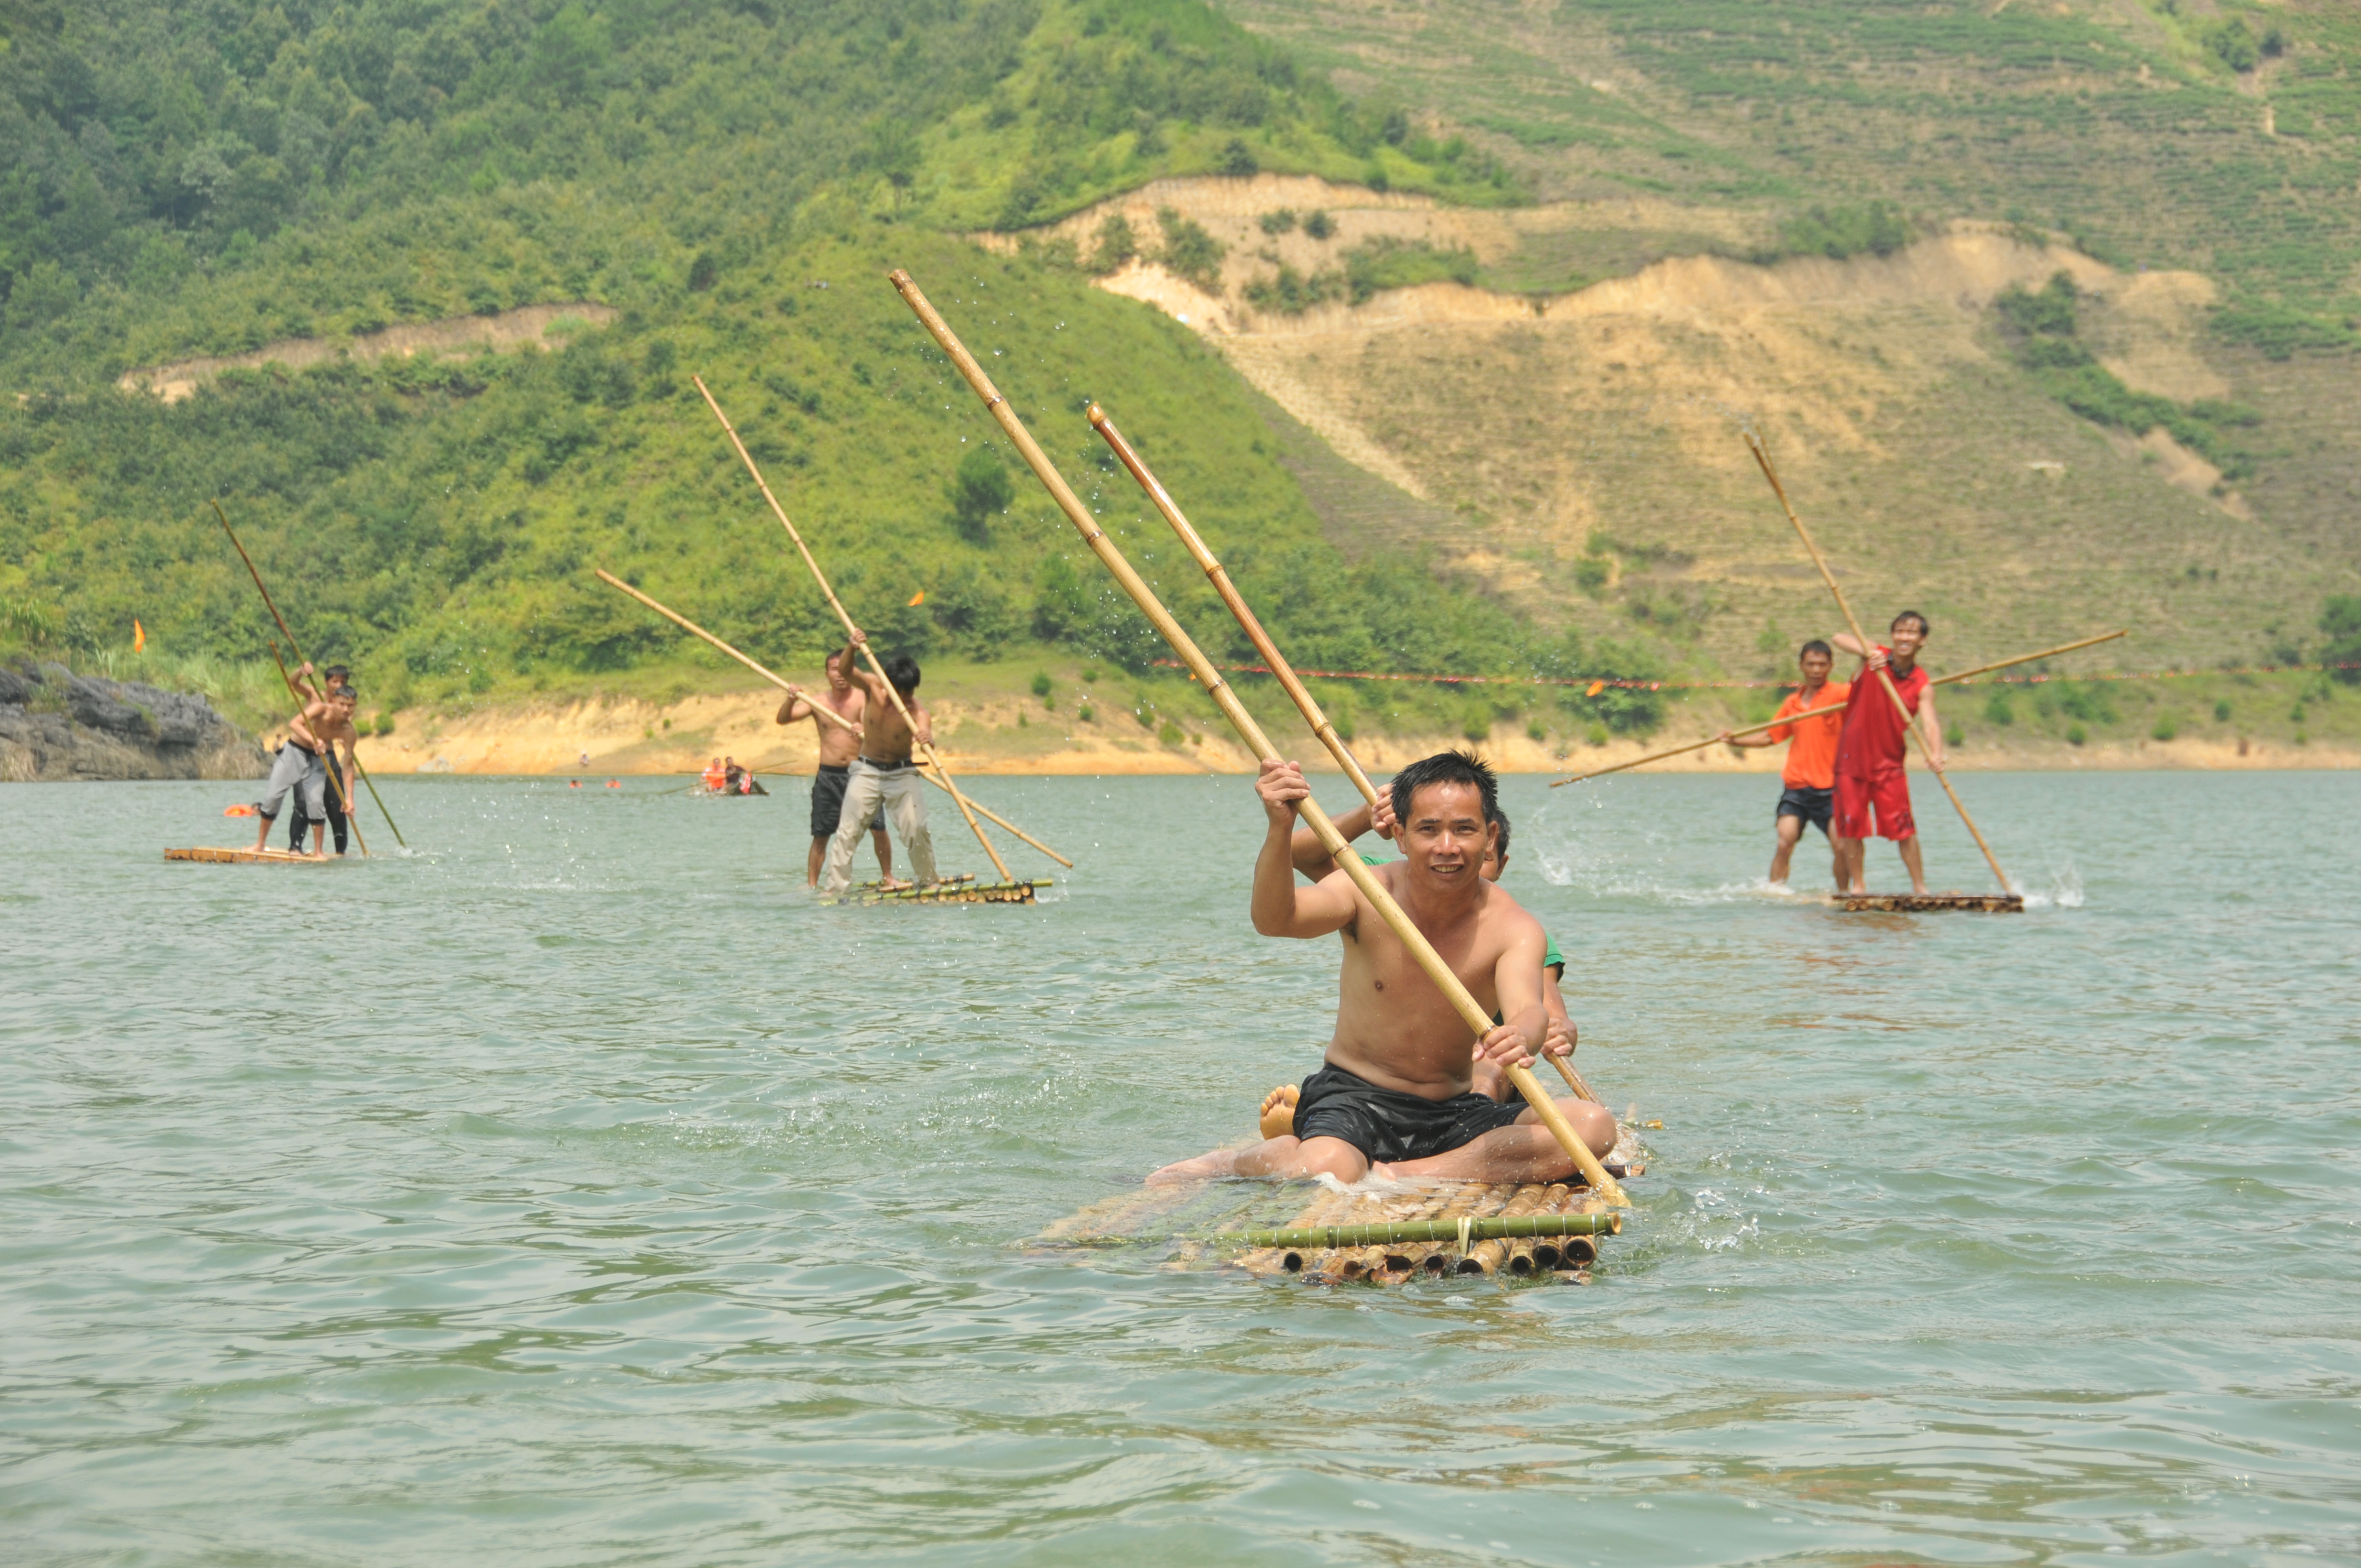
(56, 727)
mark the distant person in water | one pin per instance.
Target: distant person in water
(838, 748)
(1808, 792)
(1277, 1110)
(302, 765)
(1396, 1095)
(335, 678)
(1872, 792)
(882, 774)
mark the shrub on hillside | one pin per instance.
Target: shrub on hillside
(979, 491)
(1190, 252)
(1877, 229)
(2340, 620)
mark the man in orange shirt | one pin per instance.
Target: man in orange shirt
(1811, 777)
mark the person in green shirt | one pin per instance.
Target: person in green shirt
(1278, 1113)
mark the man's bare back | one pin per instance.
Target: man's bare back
(885, 738)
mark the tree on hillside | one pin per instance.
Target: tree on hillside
(2341, 620)
(979, 492)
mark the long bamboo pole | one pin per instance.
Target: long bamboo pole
(1381, 1232)
(1832, 707)
(1324, 731)
(836, 604)
(291, 647)
(344, 796)
(828, 714)
(1476, 1018)
(1885, 677)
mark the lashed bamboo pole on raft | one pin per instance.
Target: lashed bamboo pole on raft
(1476, 1018)
(1388, 1233)
(829, 713)
(1833, 708)
(291, 647)
(845, 616)
(344, 794)
(1885, 677)
(1272, 659)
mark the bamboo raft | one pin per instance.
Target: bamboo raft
(245, 856)
(1931, 903)
(1384, 1235)
(1330, 1234)
(962, 889)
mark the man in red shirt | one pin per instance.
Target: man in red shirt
(1809, 795)
(1872, 795)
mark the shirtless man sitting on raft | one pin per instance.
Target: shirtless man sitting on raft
(1277, 1114)
(1395, 1096)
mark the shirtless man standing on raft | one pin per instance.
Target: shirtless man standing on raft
(1396, 1094)
(302, 765)
(838, 747)
(881, 775)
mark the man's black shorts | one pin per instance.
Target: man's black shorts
(1817, 807)
(827, 802)
(1387, 1125)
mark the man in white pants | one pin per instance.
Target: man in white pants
(884, 770)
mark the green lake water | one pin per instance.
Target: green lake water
(574, 1191)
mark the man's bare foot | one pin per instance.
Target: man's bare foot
(1279, 1111)
(1205, 1166)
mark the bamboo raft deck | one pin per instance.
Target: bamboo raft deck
(1931, 903)
(214, 857)
(1187, 1222)
(962, 889)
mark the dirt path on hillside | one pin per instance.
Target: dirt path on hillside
(453, 338)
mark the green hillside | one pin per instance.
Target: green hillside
(736, 182)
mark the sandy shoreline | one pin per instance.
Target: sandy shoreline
(613, 738)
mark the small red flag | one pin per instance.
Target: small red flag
(138, 636)
(1596, 688)
(918, 597)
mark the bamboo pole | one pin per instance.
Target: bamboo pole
(1885, 677)
(836, 604)
(1388, 1233)
(1322, 730)
(344, 796)
(1477, 1019)
(1835, 708)
(291, 647)
(829, 713)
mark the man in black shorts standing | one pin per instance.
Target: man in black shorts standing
(838, 748)
(1808, 797)
(337, 677)
(1396, 1095)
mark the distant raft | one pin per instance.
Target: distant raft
(1932, 902)
(961, 889)
(245, 856)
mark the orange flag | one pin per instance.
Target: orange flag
(1596, 688)
(138, 636)
(918, 597)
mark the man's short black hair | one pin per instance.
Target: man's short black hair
(338, 671)
(347, 689)
(1816, 646)
(1446, 767)
(1926, 628)
(903, 671)
(1500, 832)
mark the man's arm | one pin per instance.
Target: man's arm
(1517, 975)
(1314, 862)
(796, 707)
(850, 663)
(1562, 1034)
(924, 722)
(1281, 908)
(1930, 728)
(345, 786)
(302, 726)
